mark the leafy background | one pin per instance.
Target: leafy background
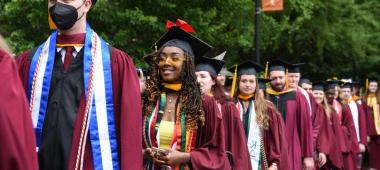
(335, 38)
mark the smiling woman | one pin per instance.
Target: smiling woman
(181, 128)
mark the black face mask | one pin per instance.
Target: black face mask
(64, 16)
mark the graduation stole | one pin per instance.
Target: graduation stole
(99, 113)
(183, 139)
(253, 133)
(273, 92)
(372, 102)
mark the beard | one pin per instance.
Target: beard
(278, 87)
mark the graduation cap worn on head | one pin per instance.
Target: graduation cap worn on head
(213, 66)
(247, 68)
(346, 85)
(305, 79)
(319, 86)
(176, 36)
(295, 68)
(262, 82)
(277, 65)
(331, 84)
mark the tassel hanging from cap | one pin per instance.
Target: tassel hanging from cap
(366, 84)
(286, 79)
(232, 93)
(52, 25)
(266, 70)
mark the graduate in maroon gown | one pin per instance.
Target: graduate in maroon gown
(350, 107)
(207, 70)
(16, 131)
(263, 125)
(330, 137)
(182, 129)
(295, 112)
(371, 104)
(84, 96)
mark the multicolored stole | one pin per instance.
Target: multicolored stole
(183, 139)
(252, 132)
(99, 113)
(372, 102)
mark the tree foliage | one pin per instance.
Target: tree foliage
(334, 38)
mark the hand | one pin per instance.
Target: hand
(273, 167)
(175, 158)
(148, 154)
(361, 148)
(322, 159)
(308, 163)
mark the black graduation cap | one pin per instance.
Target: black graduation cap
(277, 65)
(372, 79)
(346, 85)
(208, 64)
(295, 68)
(247, 68)
(319, 86)
(177, 37)
(305, 79)
(262, 82)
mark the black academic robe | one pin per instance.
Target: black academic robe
(66, 106)
(295, 111)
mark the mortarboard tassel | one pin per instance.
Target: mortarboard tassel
(286, 79)
(266, 71)
(232, 93)
(52, 25)
(366, 84)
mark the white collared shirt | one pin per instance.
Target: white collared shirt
(62, 51)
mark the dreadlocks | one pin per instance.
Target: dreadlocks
(190, 94)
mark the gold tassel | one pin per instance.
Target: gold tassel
(52, 25)
(266, 71)
(232, 93)
(366, 84)
(286, 79)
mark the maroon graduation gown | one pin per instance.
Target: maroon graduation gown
(127, 110)
(236, 142)
(329, 139)
(276, 146)
(210, 150)
(374, 144)
(295, 111)
(18, 150)
(349, 133)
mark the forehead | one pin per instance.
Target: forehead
(294, 74)
(277, 73)
(247, 77)
(372, 83)
(318, 91)
(345, 89)
(171, 49)
(202, 73)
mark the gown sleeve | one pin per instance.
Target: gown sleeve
(16, 129)
(236, 141)
(210, 153)
(127, 105)
(275, 141)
